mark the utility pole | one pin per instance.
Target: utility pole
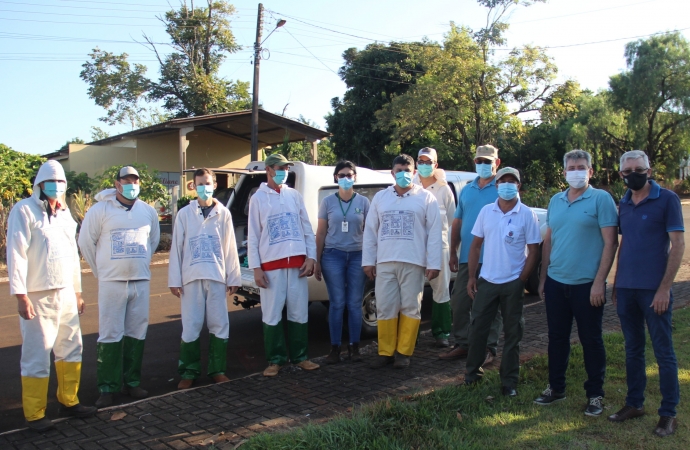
(255, 94)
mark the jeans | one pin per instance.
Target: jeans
(634, 310)
(563, 303)
(344, 277)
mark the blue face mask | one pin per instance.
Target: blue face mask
(507, 191)
(280, 177)
(403, 179)
(130, 191)
(425, 170)
(484, 170)
(53, 189)
(204, 192)
(346, 183)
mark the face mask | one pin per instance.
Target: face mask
(280, 177)
(577, 179)
(634, 181)
(204, 192)
(485, 170)
(53, 189)
(130, 191)
(403, 179)
(346, 183)
(507, 191)
(425, 170)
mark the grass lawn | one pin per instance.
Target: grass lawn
(479, 417)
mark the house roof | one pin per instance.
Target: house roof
(237, 124)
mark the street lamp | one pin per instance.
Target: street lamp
(255, 94)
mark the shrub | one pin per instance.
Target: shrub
(184, 201)
(152, 190)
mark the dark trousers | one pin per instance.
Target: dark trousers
(634, 310)
(490, 298)
(563, 303)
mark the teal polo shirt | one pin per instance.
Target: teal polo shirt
(472, 200)
(576, 242)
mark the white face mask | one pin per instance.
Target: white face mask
(577, 179)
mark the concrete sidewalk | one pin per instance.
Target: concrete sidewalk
(226, 414)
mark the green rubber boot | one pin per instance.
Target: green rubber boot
(109, 366)
(299, 340)
(189, 365)
(217, 355)
(274, 344)
(441, 320)
(132, 355)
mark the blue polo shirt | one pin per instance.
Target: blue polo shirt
(576, 241)
(644, 251)
(472, 200)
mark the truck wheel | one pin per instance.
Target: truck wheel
(369, 321)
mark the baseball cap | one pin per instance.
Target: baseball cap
(487, 151)
(507, 171)
(127, 170)
(429, 153)
(277, 159)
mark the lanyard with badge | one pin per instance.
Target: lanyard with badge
(345, 226)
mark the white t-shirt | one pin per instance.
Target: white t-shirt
(506, 237)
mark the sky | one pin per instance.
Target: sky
(43, 43)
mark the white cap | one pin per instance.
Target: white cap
(50, 170)
(429, 153)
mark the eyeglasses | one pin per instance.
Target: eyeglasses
(627, 172)
(424, 162)
(483, 161)
(345, 175)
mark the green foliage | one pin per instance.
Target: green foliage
(184, 201)
(17, 171)
(97, 133)
(152, 190)
(80, 202)
(617, 190)
(301, 151)
(189, 82)
(78, 182)
(541, 182)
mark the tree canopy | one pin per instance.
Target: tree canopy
(17, 172)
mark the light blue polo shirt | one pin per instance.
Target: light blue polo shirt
(472, 200)
(576, 242)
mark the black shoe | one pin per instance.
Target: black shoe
(41, 425)
(136, 392)
(442, 342)
(106, 399)
(509, 391)
(625, 413)
(549, 396)
(78, 410)
(401, 361)
(594, 408)
(381, 361)
(353, 352)
(666, 426)
(334, 356)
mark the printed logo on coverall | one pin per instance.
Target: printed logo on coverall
(128, 243)
(283, 227)
(397, 225)
(205, 248)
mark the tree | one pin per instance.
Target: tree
(189, 83)
(17, 173)
(655, 91)
(74, 140)
(152, 190)
(373, 76)
(98, 133)
(78, 182)
(301, 151)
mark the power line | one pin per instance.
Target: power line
(106, 24)
(315, 57)
(101, 16)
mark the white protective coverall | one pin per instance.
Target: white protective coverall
(118, 245)
(203, 261)
(43, 262)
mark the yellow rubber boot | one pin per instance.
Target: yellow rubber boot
(68, 376)
(388, 334)
(407, 334)
(34, 397)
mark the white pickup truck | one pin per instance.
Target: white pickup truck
(315, 183)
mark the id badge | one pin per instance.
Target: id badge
(344, 227)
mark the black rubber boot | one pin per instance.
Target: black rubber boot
(334, 356)
(353, 352)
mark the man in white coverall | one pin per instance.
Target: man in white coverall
(433, 179)
(282, 251)
(118, 237)
(45, 276)
(402, 238)
(203, 266)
